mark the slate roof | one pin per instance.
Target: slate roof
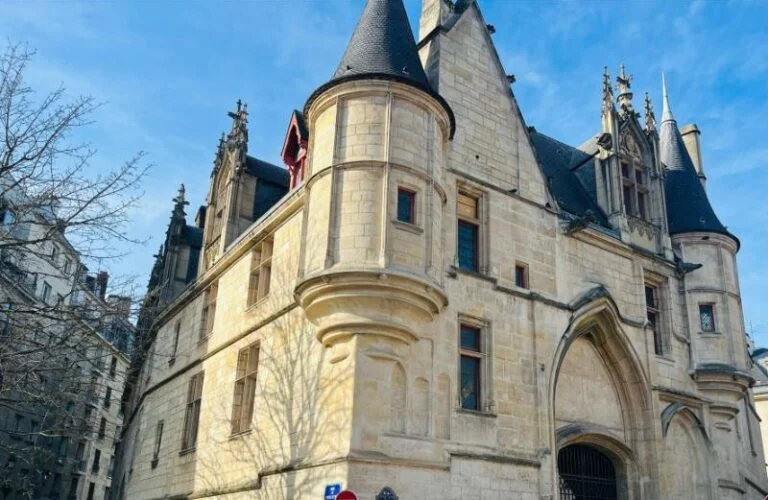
(383, 44)
(382, 47)
(192, 236)
(267, 171)
(688, 208)
(556, 159)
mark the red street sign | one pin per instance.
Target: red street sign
(346, 495)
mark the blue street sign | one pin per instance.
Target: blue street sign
(331, 490)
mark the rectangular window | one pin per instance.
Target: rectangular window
(73, 487)
(468, 232)
(63, 449)
(175, 348)
(111, 468)
(521, 275)
(470, 361)
(108, 397)
(245, 388)
(707, 317)
(406, 206)
(113, 367)
(158, 443)
(80, 456)
(46, 292)
(102, 428)
(209, 310)
(96, 461)
(652, 313)
(192, 413)
(54, 253)
(261, 271)
(91, 489)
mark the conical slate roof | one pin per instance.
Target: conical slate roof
(688, 208)
(382, 47)
(383, 44)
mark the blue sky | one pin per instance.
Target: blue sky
(169, 71)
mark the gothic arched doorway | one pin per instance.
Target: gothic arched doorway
(586, 473)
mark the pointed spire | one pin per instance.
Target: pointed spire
(666, 111)
(688, 208)
(624, 85)
(650, 116)
(180, 203)
(607, 91)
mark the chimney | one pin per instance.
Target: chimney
(101, 284)
(121, 305)
(692, 143)
(90, 283)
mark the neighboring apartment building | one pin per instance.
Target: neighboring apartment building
(437, 301)
(760, 391)
(64, 353)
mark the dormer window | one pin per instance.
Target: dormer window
(635, 188)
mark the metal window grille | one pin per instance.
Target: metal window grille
(586, 474)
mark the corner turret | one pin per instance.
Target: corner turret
(377, 133)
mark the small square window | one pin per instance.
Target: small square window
(521, 275)
(406, 206)
(707, 317)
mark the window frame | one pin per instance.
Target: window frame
(412, 195)
(479, 222)
(175, 348)
(655, 310)
(713, 312)
(158, 443)
(260, 275)
(208, 311)
(485, 401)
(526, 282)
(192, 412)
(246, 380)
(638, 187)
(96, 465)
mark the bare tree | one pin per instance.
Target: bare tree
(58, 331)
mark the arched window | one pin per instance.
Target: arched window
(586, 474)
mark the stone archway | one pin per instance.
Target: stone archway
(600, 396)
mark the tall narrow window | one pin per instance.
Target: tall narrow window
(108, 397)
(209, 310)
(245, 388)
(707, 317)
(96, 461)
(652, 313)
(192, 413)
(521, 275)
(468, 232)
(470, 361)
(158, 443)
(111, 467)
(175, 348)
(406, 205)
(80, 456)
(113, 367)
(73, 487)
(91, 489)
(46, 292)
(102, 428)
(261, 271)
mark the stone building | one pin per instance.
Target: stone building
(64, 347)
(438, 299)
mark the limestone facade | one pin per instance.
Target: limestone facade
(359, 377)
